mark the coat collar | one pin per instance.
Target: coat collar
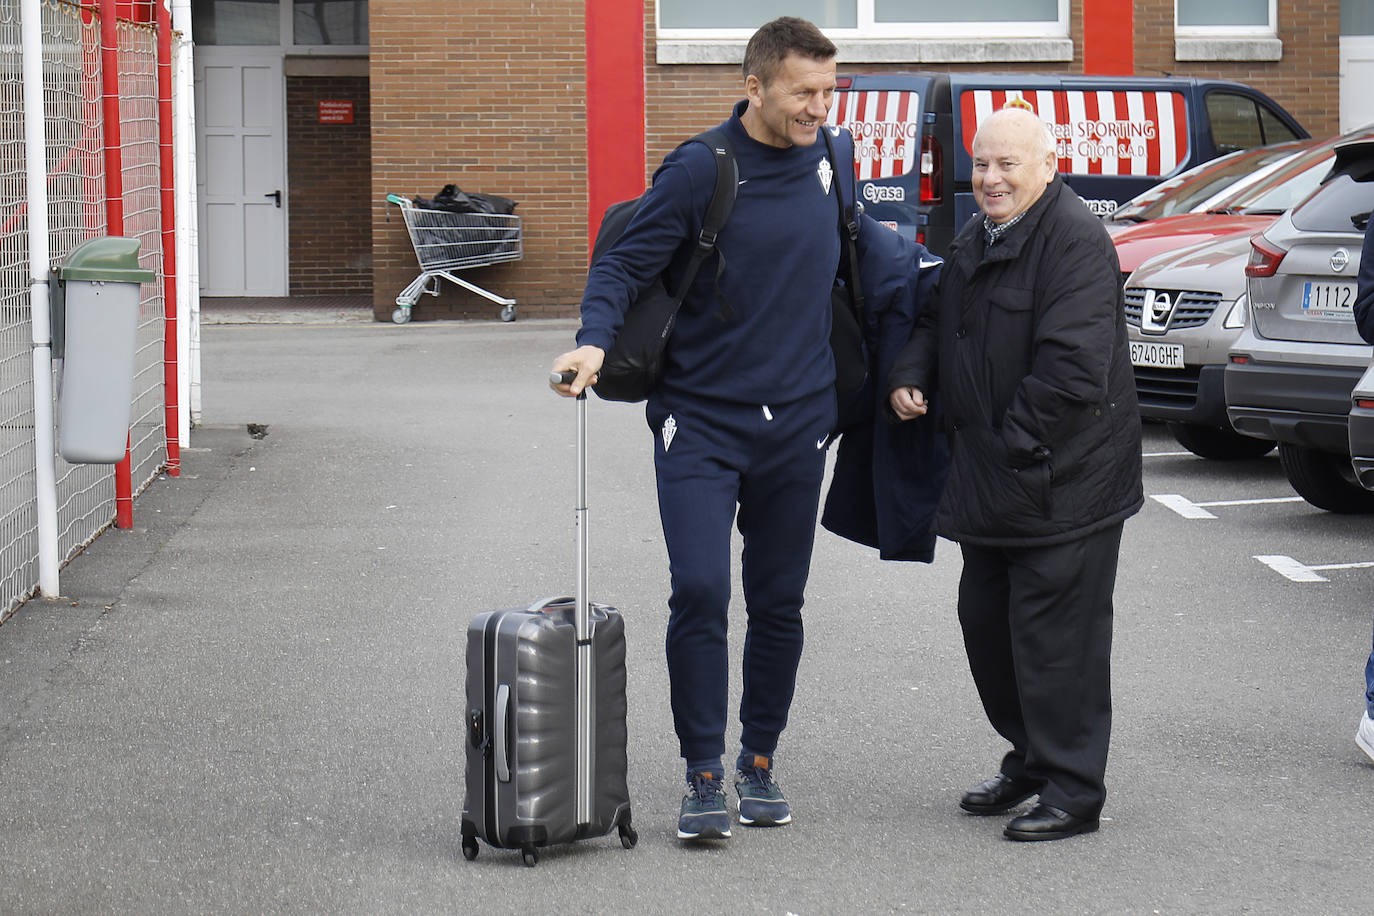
(972, 239)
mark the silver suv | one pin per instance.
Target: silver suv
(1183, 312)
(1294, 365)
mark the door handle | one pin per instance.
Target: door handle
(275, 195)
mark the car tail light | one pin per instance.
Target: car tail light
(932, 170)
(1366, 403)
(1265, 257)
(1239, 360)
(920, 236)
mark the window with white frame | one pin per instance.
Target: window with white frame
(1206, 18)
(860, 19)
(1226, 30)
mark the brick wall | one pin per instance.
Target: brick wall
(476, 102)
(1305, 81)
(331, 188)
(684, 99)
(487, 95)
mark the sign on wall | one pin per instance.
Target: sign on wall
(336, 111)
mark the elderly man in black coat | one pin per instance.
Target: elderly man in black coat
(1026, 350)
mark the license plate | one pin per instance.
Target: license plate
(1157, 355)
(1328, 300)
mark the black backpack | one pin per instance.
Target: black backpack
(634, 364)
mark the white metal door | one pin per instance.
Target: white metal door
(241, 169)
(1357, 75)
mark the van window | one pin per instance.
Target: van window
(1240, 122)
(1275, 131)
(1341, 205)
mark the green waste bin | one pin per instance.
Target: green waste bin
(96, 331)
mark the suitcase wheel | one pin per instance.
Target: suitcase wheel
(469, 840)
(530, 854)
(628, 836)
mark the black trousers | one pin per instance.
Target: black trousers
(1037, 625)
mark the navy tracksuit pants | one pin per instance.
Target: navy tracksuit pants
(713, 458)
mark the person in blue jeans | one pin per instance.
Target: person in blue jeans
(743, 412)
(1364, 320)
(1364, 735)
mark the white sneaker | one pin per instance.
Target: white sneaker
(1364, 736)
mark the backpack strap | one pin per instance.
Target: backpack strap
(849, 225)
(717, 212)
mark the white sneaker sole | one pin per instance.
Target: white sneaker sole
(710, 833)
(766, 821)
(1365, 741)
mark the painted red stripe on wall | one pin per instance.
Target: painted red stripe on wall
(615, 105)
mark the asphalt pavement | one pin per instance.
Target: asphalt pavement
(251, 702)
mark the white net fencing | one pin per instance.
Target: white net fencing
(76, 186)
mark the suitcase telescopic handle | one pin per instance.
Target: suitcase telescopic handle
(582, 616)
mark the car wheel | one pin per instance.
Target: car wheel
(1325, 480)
(1219, 444)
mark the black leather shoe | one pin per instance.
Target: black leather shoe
(1046, 822)
(998, 795)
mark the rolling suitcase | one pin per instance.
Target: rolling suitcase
(545, 726)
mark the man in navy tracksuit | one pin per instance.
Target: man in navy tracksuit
(745, 406)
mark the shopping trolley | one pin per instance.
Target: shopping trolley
(446, 242)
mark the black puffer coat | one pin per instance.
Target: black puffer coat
(1027, 357)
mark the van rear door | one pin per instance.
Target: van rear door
(902, 128)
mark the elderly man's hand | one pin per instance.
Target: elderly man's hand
(907, 403)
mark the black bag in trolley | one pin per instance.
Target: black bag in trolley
(545, 727)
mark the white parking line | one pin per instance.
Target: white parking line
(1189, 509)
(1164, 454)
(1295, 571)
(1184, 507)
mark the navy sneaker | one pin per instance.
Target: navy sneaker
(760, 800)
(703, 814)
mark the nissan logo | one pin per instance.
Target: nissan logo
(1339, 259)
(1161, 308)
(1158, 308)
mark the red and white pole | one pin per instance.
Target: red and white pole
(114, 208)
(167, 183)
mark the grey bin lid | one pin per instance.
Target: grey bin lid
(111, 259)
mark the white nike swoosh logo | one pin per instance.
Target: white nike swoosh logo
(820, 443)
(935, 263)
(743, 180)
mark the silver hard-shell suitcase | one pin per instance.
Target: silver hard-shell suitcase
(545, 725)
